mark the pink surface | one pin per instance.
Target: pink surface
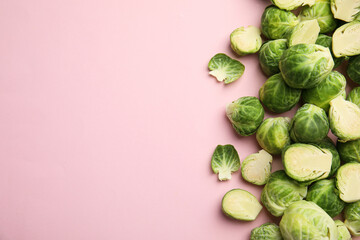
(109, 119)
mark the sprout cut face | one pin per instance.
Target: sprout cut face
(349, 151)
(246, 40)
(345, 10)
(267, 231)
(344, 233)
(346, 40)
(328, 144)
(256, 168)
(269, 56)
(292, 4)
(326, 41)
(352, 218)
(348, 182)
(225, 68)
(306, 31)
(225, 161)
(354, 96)
(353, 69)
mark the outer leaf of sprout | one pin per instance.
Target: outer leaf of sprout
(225, 161)
(225, 68)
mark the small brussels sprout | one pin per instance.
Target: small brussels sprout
(269, 55)
(292, 4)
(354, 96)
(348, 182)
(349, 151)
(309, 125)
(331, 87)
(344, 119)
(326, 41)
(305, 65)
(256, 168)
(344, 233)
(281, 191)
(267, 231)
(352, 218)
(225, 68)
(353, 69)
(273, 134)
(306, 163)
(328, 144)
(345, 10)
(326, 196)
(241, 205)
(345, 40)
(225, 161)
(321, 11)
(246, 40)
(305, 31)
(245, 114)
(306, 220)
(277, 96)
(277, 23)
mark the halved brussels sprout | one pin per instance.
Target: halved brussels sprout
(305, 65)
(331, 87)
(309, 125)
(345, 10)
(277, 96)
(267, 231)
(344, 233)
(269, 55)
(345, 40)
(344, 119)
(352, 218)
(326, 196)
(225, 161)
(306, 220)
(354, 96)
(273, 134)
(281, 191)
(225, 68)
(246, 40)
(241, 205)
(326, 41)
(348, 182)
(328, 144)
(353, 69)
(292, 4)
(256, 168)
(306, 31)
(277, 23)
(349, 151)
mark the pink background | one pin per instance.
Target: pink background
(109, 119)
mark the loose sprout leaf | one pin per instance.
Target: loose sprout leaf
(225, 68)
(225, 161)
(346, 40)
(346, 10)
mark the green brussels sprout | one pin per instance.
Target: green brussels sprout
(277, 23)
(344, 119)
(326, 41)
(345, 40)
(320, 11)
(345, 10)
(273, 134)
(225, 68)
(331, 87)
(305, 65)
(292, 4)
(328, 144)
(225, 160)
(281, 191)
(353, 69)
(344, 233)
(269, 55)
(246, 40)
(306, 163)
(348, 182)
(277, 96)
(309, 125)
(354, 96)
(349, 151)
(305, 31)
(267, 231)
(352, 218)
(245, 114)
(256, 168)
(241, 205)
(306, 220)
(326, 196)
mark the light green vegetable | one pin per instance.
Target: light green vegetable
(344, 233)
(256, 168)
(306, 31)
(352, 218)
(225, 161)
(328, 144)
(246, 40)
(345, 40)
(269, 55)
(292, 4)
(345, 10)
(349, 151)
(267, 231)
(326, 41)
(353, 69)
(348, 182)
(354, 96)
(225, 68)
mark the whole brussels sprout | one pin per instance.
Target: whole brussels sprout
(273, 134)
(331, 87)
(309, 125)
(354, 96)
(267, 231)
(348, 182)
(246, 40)
(326, 196)
(292, 4)
(277, 96)
(353, 69)
(306, 220)
(352, 218)
(269, 55)
(349, 151)
(277, 23)
(345, 40)
(344, 233)
(305, 31)
(305, 65)
(245, 115)
(328, 144)
(280, 191)
(326, 41)
(345, 10)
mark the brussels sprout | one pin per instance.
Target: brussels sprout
(331, 87)
(277, 23)
(273, 134)
(353, 69)
(225, 68)
(241, 205)
(309, 125)
(348, 182)
(326, 196)
(305, 65)
(305, 31)
(352, 218)
(306, 163)
(267, 231)
(277, 96)
(280, 191)
(344, 119)
(345, 10)
(306, 220)
(345, 40)
(246, 40)
(349, 151)
(269, 55)
(245, 114)
(256, 168)
(354, 96)
(326, 41)
(225, 161)
(328, 144)
(292, 4)
(344, 233)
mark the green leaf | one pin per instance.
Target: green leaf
(225, 68)
(225, 161)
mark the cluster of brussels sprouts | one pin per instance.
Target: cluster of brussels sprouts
(320, 179)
